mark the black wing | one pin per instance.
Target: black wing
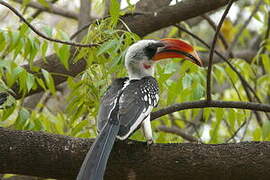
(136, 103)
(108, 101)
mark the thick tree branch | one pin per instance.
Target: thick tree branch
(150, 22)
(56, 156)
(151, 5)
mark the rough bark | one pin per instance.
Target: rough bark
(145, 24)
(56, 156)
(140, 24)
(150, 5)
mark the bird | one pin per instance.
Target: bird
(128, 101)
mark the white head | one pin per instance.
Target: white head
(142, 55)
(138, 59)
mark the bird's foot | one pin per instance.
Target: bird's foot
(149, 142)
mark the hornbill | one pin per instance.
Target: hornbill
(128, 102)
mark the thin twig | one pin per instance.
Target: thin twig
(230, 130)
(40, 33)
(246, 128)
(177, 131)
(211, 55)
(258, 116)
(173, 120)
(236, 132)
(193, 125)
(205, 104)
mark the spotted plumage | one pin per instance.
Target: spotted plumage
(136, 100)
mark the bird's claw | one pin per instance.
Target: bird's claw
(149, 142)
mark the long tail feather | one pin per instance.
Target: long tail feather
(94, 164)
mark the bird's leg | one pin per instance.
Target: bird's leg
(147, 131)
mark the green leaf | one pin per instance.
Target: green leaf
(266, 130)
(79, 127)
(22, 118)
(257, 134)
(24, 29)
(263, 79)
(41, 83)
(106, 46)
(30, 81)
(2, 42)
(198, 92)
(44, 48)
(64, 53)
(266, 62)
(114, 11)
(48, 31)
(7, 113)
(49, 81)
(258, 17)
(25, 2)
(22, 81)
(216, 125)
(44, 3)
(170, 67)
(231, 118)
(206, 113)
(18, 48)
(187, 80)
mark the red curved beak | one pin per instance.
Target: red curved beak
(175, 48)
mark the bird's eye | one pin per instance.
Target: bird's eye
(151, 48)
(150, 51)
